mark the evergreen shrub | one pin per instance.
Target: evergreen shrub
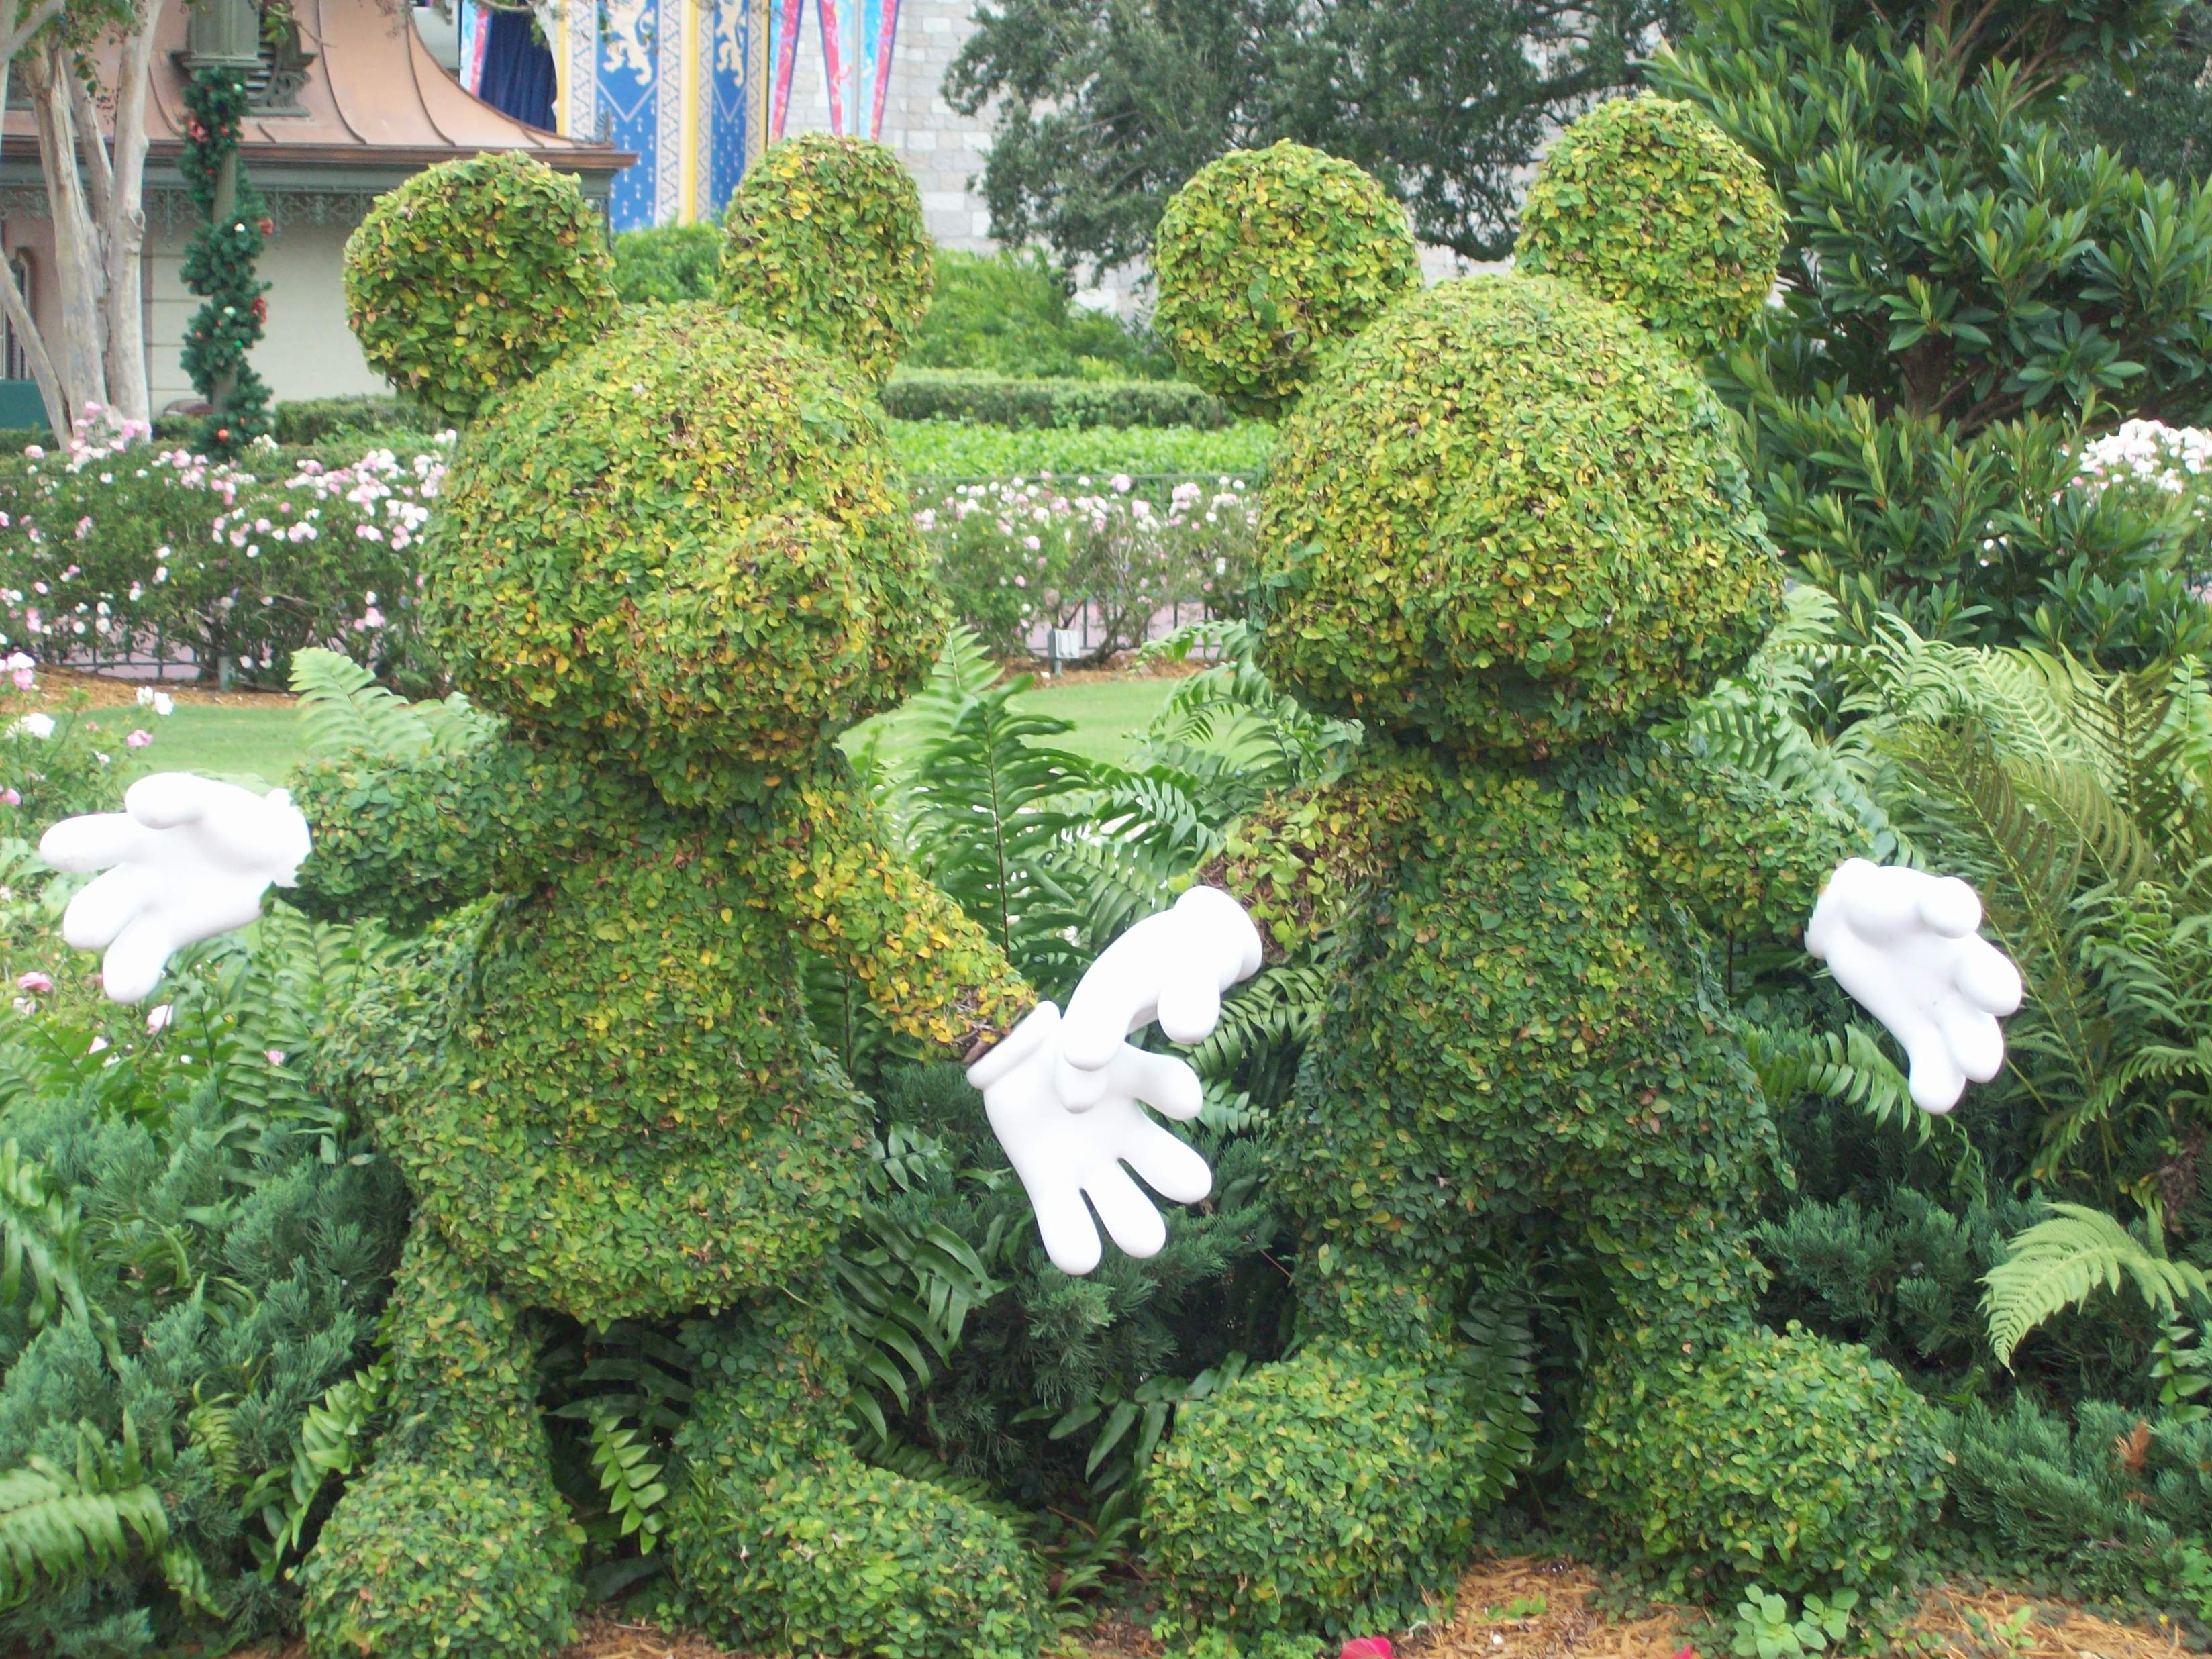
(1645, 202)
(823, 241)
(1012, 312)
(1267, 257)
(671, 263)
(470, 278)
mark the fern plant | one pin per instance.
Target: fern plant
(2064, 1260)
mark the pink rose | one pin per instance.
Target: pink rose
(33, 981)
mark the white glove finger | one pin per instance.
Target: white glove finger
(1934, 1076)
(1114, 998)
(1161, 1081)
(1975, 1039)
(1190, 1005)
(1950, 907)
(93, 841)
(1880, 901)
(1987, 978)
(169, 800)
(217, 906)
(132, 966)
(1164, 1163)
(1132, 1220)
(106, 906)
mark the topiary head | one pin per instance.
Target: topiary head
(676, 543)
(824, 239)
(686, 545)
(1266, 259)
(1645, 202)
(474, 275)
(1504, 515)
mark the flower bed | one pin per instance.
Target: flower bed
(117, 550)
(1090, 554)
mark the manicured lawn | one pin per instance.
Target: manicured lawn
(260, 742)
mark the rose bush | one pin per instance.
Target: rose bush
(117, 546)
(2158, 468)
(1023, 553)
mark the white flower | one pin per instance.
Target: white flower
(158, 1020)
(36, 725)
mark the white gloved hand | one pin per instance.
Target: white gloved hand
(1905, 945)
(1066, 1097)
(187, 857)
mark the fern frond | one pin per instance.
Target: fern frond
(333, 1435)
(344, 710)
(630, 1481)
(41, 1239)
(59, 1525)
(2064, 1260)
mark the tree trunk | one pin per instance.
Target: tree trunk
(95, 196)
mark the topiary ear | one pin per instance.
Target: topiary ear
(474, 276)
(1645, 202)
(824, 241)
(1267, 257)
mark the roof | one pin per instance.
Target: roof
(373, 97)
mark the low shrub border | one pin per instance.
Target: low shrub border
(961, 394)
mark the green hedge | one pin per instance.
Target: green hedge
(945, 449)
(962, 394)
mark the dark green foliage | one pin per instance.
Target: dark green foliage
(1331, 1493)
(1102, 110)
(1781, 1459)
(1011, 314)
(1966, 286)
(823, 241)
(199, 1246)
(2105, 1503)
(991, 399)
(474, 275)
(1645, 202)
(1266, 259)
(674, 264)
(1588, 554)
(318, 420)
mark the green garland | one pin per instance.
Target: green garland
(219, 261)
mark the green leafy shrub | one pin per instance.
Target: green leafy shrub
(316, 420)
(1591, 558)
(1919, 397)
(991, 399)
(1266, 258)
(823, 241)
(1645, 202)
(942, 451)
(1781, 1458)
(470, 278)
(1369, 1475)
(1009, 313)
(672, 263)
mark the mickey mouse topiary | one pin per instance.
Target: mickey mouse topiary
(1646, 203)
(1264, 259)
(473, 276)
(824, 241)
(668, 568)
(1506, 527)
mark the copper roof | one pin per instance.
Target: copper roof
(374, 96)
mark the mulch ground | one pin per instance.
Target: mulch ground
(1523, 1608)
(115, 690)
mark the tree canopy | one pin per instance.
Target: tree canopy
(1105, 106)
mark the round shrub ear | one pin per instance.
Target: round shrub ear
(824, 241)
(474, 276)
(1267, 256)
(1645, 202)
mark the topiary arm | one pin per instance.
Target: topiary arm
(408, 837)
(921, 962)
(1744, 854)
(1296, 862)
